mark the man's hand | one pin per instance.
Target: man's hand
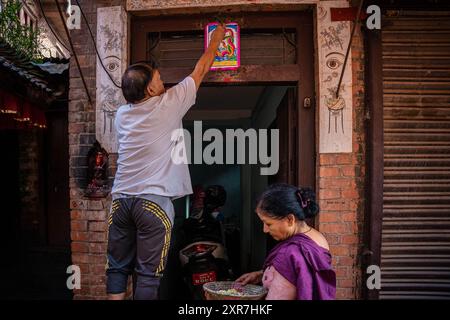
(218, 34)
(207, 59)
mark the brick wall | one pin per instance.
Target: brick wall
(88, 217)
(341, 179)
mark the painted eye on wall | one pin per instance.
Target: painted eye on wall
(333, 63)
(112, 66)
(111, 63)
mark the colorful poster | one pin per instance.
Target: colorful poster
(228, 55)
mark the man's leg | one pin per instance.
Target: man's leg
(121, 249)
(153, 240)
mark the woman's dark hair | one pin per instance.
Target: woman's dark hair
(136, 79)
(280, 200)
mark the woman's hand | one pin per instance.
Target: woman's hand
(251, 277)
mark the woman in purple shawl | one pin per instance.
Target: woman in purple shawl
(299, 266)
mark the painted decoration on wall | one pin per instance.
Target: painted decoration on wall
(112, 46)
(335, 110)
(228, 55)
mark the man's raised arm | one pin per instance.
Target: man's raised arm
(206, 60)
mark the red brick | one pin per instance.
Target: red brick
(97, 258)
(79, 236)
(82, 291)
(348, 171)
(327, 159)
(78, 258)
(329, 194)
(340, 250)
(344, 283)
(344, 294)
(341, 183)
(353, 205)
(350, 239)
(342, 272)
(78, 226)
(79, 247)
(77, 215)
(349, 216)
(97, 247)
(345, 261)
(97, 226)
(78, 204)
(334, 205)
(84, 268)
(85, 281)
(333, 239)
(354, 228)
(97, 236)
(329, 172)
(334, 228)
(96, 215)
(96, 280)
(329, 217)
(77, 127)
(98, 290)
(95, 205)
(350, 194)
(345, 158)
(98, 269)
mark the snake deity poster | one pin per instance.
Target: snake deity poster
(228, 55)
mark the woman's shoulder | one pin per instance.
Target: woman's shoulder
(313, 237)
(318, 238)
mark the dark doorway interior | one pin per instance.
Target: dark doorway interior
(236, 108)
(35, 241)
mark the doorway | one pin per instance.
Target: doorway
(268, 91)
(36, 241)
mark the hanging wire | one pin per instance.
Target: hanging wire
(50, 26)
(95, 45)
(348, 48)
(73, 51)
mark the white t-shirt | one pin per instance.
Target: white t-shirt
(144, 133)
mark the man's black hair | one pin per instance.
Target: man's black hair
(136, 79)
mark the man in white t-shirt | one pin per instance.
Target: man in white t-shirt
(147, 179)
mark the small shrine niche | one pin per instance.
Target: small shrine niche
(98, 182)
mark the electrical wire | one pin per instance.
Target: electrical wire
(348, 48)
(73, 52)
(95, 45)
(50, 27)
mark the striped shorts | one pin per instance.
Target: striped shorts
(138, 243)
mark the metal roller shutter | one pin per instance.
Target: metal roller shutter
(415, 249)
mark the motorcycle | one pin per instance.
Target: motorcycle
(203, 257)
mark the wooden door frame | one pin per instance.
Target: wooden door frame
(375, 156)
(301, 74)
